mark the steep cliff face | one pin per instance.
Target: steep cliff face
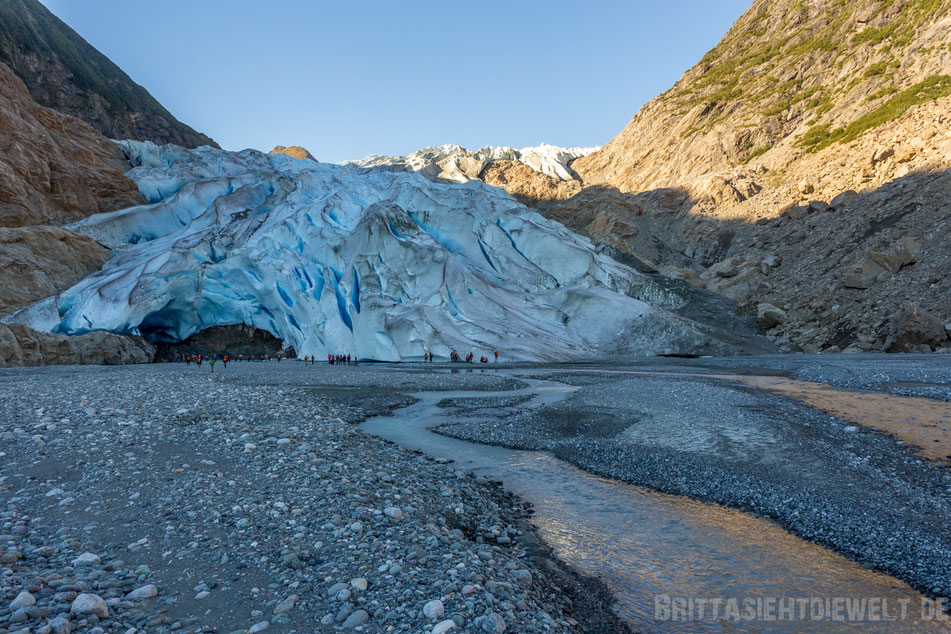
(66, 73)
(54, 168)
(779, 170)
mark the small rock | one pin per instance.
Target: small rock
(22, 600)
(393, 512)
(434, 609)
(523, 577)
(444, 626)
(493, 624)
(145, 592)
(356, 619)
(89, 604)
(359, 583)
(86, 559)
(286, 605)
(259, 627)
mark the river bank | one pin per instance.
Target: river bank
(704, 430)
(167, 498)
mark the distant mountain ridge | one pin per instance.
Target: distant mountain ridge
(64, 72)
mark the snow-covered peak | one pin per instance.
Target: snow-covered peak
(459, 165)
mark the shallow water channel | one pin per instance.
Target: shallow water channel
(647, 546)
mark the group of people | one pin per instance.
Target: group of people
(332, 359)
(455, 358)
(224, 358)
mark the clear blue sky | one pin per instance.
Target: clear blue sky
(354, 77)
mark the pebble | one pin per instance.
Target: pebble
(394, 513)
(144, 592)
(286, 605)
(22, 600)
(356, 619)
(89, 604)
(434, 609)
(443, 626)
(86, 559)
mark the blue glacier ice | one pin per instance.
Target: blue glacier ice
(339, 258)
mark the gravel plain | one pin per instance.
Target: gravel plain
(169, 498)
(859, 491)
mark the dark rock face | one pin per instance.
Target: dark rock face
(22, 346)
(233, 340)
(64, 72)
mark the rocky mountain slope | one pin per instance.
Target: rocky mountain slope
(64, 72)
(295, 151)
(54, 168)
(381, 263)
(801, 168)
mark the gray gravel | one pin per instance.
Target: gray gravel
(856, 490)
(166, 498)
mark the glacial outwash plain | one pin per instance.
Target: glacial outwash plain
(695, 377)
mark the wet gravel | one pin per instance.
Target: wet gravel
(166, 498)
(851, 488)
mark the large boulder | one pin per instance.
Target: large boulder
(23, 346)
(913, 329)
(769, 316)
(876, 266)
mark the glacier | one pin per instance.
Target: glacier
(383, 264)
(456, 164)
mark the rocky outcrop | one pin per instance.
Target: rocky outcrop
(64, 72)
(296, 151)
(23, 346)
(54, 168)
(527, 185)
(36, 262)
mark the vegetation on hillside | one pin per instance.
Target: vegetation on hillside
(785, 62)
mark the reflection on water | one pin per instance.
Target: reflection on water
(645, 545)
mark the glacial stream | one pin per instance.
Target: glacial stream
(643, 544)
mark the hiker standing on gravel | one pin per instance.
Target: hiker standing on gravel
(496, 356)
(211, 362)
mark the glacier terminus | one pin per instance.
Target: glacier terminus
(382, 264)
